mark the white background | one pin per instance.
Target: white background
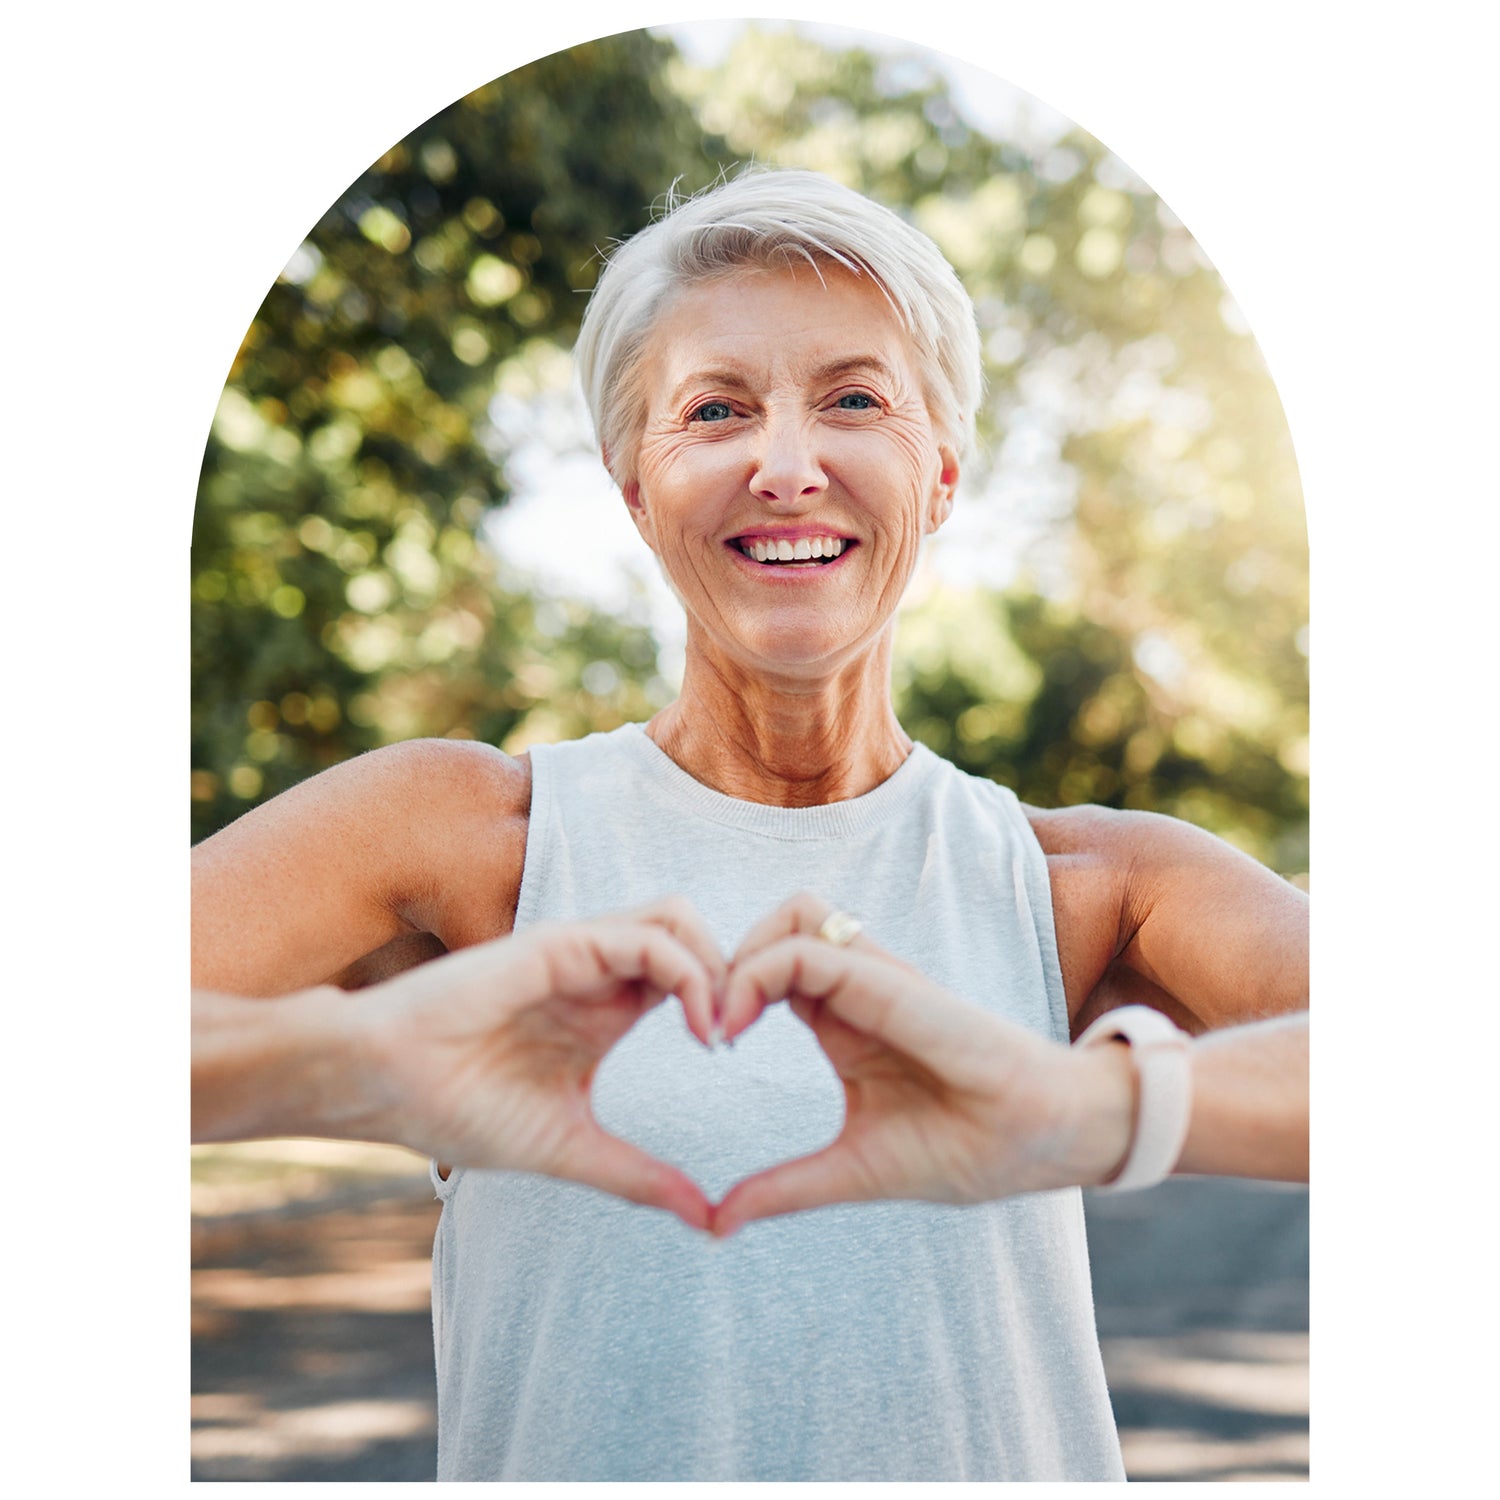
(1335, 165)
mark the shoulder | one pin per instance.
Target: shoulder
(430, 832)
(1087, 851)
(459, 811)
(1105, 866)
(1113, 835)
(432, 771)
(463, 779)
(1151, 898)
(1132, 858)
(413, 795)
(1141, 847)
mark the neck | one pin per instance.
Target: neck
(785, 742)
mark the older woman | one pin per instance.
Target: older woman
(783, 377)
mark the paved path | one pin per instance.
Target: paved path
(1200, 1287)
(312, 1345)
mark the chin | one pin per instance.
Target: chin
(798, 650)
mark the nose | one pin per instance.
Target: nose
(787, 471)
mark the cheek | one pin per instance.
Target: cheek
(686, 492)
(900, 479)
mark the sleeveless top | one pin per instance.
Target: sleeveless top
(580, 1337)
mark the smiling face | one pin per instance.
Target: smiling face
(785, 415)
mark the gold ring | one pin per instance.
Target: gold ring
(840, 929)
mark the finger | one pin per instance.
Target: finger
(842, 1044)
(680, 917)
(801, 915)
(639, 951)
(774, 973)
(828, 1176)
(604, 1161)
(871, 992)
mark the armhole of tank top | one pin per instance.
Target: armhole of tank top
(444, 1188)
(1036, 895)
(537, 818)
(439, 1290)
(538, 831)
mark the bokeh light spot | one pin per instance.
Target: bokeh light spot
(1099, 252)
(287, 601)
(600, 678)
(245, 782)
(470, 345)
(381, 227)
(1037, 254)
(370, 592)
(491, 281)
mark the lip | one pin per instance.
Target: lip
(789, 533)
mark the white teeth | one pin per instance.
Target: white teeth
(763, 549)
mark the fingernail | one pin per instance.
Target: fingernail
(716, 1034)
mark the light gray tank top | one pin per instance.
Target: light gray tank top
(580, 1337)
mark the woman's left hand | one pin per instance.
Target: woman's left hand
(943, 1101)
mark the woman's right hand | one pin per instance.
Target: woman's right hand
(482, 1058)
(488, 1054)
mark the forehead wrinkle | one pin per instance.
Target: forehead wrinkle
(697, 346)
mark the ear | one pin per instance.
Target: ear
(631, 490)
(940, 502)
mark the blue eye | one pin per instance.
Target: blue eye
(713, 411)
(865, 402)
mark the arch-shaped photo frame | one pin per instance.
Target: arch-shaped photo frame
(402, 531)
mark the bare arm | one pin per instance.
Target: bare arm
(945, 1101)
(482, 1058)
(1153, 911)
(284, 1066)
(404, 851)
(1250, 1102)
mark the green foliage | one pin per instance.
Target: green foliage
(341, 595)
(1154, 656)
(1035, 694)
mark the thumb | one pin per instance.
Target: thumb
(604, 1161)
(831, 1175)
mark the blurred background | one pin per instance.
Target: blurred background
(402, 529)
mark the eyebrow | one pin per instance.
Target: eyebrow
(853, 365)
(833, 370)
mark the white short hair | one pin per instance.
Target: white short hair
(769, 217)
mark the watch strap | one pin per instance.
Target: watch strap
(1160, 1052)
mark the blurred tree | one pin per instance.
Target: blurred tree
(1153, 656)
(341, 598)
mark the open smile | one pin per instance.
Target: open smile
(792, 553)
